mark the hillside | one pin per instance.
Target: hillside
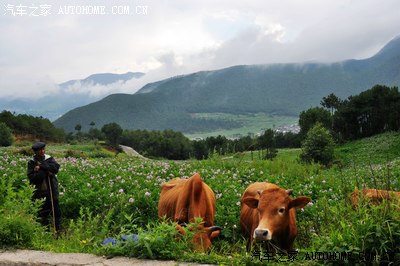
(277, 89)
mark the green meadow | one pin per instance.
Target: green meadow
(105, 195)
(250, 123)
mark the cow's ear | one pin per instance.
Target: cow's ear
(214, 234)
(251, 202)
(213, 231)
(299, 202)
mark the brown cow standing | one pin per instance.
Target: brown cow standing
(183, 200)
(375, 196)
(268, 213)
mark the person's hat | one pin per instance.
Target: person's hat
(38, 146)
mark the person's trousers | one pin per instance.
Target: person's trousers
(46, 213)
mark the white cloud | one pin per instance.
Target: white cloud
(178, 37)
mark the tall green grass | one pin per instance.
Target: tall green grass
(111, 196)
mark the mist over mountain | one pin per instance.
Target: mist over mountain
(67, 97)
(277, 89)
(103, 79)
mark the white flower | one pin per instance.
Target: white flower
(147, 194)
(131, 200)
(238, 203)
(121, 191)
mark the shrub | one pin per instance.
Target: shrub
(6, 136)
(318, 146)
(17, 213)
(16, 231)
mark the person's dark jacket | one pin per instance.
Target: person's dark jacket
(48, 168)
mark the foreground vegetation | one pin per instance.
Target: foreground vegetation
(107, 196)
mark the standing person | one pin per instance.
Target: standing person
(42, 170)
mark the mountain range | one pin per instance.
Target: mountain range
(63, 100)
(189, 103)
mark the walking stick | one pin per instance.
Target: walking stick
(52, 204)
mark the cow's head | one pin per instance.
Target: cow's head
(273, 206)
(203, 236)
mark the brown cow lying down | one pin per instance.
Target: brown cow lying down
(375, 196)
(183, 200)
(268, 213)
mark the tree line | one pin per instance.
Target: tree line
(371, 112)
(37, 127)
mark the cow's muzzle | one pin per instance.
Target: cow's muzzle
(262, 234)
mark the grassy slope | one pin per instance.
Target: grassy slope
(377, 149)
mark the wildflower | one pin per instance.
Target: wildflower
(83, 241)
(147, 194)
(131, 200)
(121, 190)
(238, 203)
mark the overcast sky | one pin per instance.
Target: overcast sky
(43, 44)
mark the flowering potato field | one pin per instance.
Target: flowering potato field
(111, 196)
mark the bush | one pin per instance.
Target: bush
(17, 213)
(6, 136)
(16, 232)
(318, 146)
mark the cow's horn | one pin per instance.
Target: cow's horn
(289, 191)
(215, 228)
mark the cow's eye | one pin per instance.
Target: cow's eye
(281, 210)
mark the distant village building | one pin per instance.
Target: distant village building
(288, 128)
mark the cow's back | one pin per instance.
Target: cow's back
(374, 196)
(182, 200)
(168, 197)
